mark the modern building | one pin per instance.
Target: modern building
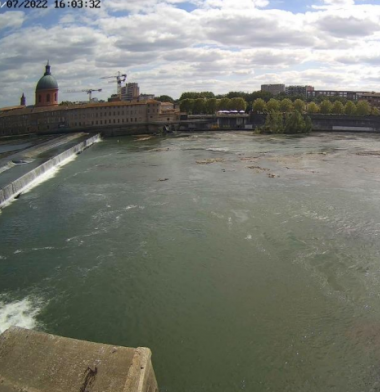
(350, 95)
(372, 98)
(146, 97)
(298, 90)
(130, 92)
(274, 89)
(47, 89)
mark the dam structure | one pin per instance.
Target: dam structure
(22, 170)
(41, 362)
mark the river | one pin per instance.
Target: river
(243, 262)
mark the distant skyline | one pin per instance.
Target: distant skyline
(173, 46)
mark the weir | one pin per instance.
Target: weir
(40, 362)
(19, 185)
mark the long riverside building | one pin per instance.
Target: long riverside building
(21, 120)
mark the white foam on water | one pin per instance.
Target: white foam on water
(51, 173)
(218, 149)
(130, 207)
(19, 313)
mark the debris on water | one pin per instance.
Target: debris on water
(209, 161)
(142, 138)
(160, 149)
(248, 158)
(270, 175)
(258, 168)
(368, 153)
(163, 179)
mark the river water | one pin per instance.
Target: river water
(244, 262)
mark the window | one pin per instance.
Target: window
(55, 96)
(39, 99)
(48, 98)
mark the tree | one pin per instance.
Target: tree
(363, 108)
(274, 122)
(350, 108)
(165, 98)
(286, 105)
(211, 105)
(186, 105)
(338, 108)
(265, 95)
(196, 95)
(295, 123)
(238, 104)
(199, 106)
(273, 104)
(325, 106)
(299, 105)
(224, 104)
(312, 107)
(375, 112)
(259, 106)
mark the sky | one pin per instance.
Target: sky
(172, 46)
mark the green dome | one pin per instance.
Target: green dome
(47, 82)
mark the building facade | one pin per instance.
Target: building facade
(350, 95)
(298, 90)
(83, 117)
(274, 89)
(372, 98)
(130, 92)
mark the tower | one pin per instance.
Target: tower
(47, 89)
(23, 100)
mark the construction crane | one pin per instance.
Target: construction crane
(88, 91)
(119, 79)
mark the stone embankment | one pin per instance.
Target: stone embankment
(40, 362)
(16, 187)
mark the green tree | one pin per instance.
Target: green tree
(286, 105)
(273, 104)
(312, 107)
(165, 98)
(350, 108)
(274, 122)
(299, 105)
(211, 105)
(238, 103)
(325, 106)
(338, 107)
(259, 106)
(199, 106)
(375, 112)
(363, 108)
(295, 123)
(186, 105)
(196, 95)
(224, 104)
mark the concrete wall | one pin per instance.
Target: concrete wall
(27, 180)
(39, 362)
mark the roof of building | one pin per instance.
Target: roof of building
(47, 82)
(39, 109)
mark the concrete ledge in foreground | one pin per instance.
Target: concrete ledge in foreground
(33, 361)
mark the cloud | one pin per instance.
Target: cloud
(168, 46)
(11, 19)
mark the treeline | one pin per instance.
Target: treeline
(211, 105)
(362, 108)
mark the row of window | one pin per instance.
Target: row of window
(47, 97)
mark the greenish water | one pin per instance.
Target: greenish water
(259, 271)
